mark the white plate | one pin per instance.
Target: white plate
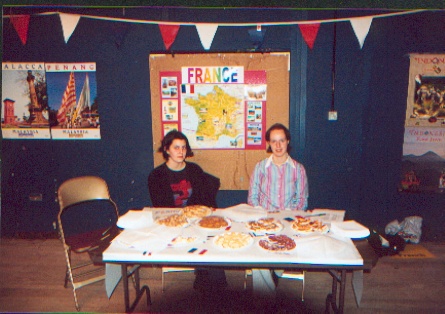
(311, 232)
(229, 224)
(326, 230)
(226, 240)
(203, 211)
(181, 225)
(350, 229)
(262, 232)
(276, 251)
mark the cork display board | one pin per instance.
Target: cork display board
(241, 124)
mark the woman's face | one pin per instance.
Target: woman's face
(177, 151)
(278, 143)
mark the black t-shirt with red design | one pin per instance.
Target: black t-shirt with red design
(190, 186)
(181, 187)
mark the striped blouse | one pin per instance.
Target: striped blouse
(279, 187)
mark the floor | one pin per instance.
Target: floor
(32, 273)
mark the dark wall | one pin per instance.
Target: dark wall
(353, 163)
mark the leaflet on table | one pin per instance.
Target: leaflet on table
(145, 239)
(161, 212)
(327, 215)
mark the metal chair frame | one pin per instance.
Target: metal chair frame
(74, 192)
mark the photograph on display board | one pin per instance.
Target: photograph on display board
(170, 110)
(256, 92)
(169, 87)
(72, 92)
(167, 127)
(25, 111)
(254, 134)
(429, 98)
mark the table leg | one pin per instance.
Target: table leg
(338, 277)
(139, 291)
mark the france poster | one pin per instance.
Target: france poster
(25, 111)
(423, 162)
(72, 93)
(217, 107)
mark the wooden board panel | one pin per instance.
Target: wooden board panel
(233, 167)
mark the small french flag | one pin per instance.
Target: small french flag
(188, 88)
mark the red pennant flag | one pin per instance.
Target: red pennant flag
(21, 24)
(309, 32)
(168, 33)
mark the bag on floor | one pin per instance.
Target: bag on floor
(386, 245)
(411, 229)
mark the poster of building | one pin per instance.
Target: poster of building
(215, 107)
(423, 163)
(72, 95)
(25, 113)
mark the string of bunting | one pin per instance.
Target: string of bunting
(207, 31)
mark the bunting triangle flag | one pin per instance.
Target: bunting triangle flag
(206, 34)
(21, 25)
(168, 33)
(120, 31)
(69, 23)
(257, 36)
(309, 33)
(361, 26)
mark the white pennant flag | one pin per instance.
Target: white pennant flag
(206, 33)
(69, 23)
(361, 27)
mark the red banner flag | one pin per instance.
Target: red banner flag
(168, 33)
(21, 24)
(309, 33)
(68, 99)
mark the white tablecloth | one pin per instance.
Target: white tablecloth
(151, 243)
(322, 249)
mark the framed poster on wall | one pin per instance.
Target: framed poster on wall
(423, 163)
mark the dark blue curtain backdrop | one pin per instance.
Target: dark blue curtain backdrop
(353, 163)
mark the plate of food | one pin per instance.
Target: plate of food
(175, 220)
(196, 211)
(233, 241)
(304, 225)
(213, 222)
(264, 225)
(277, 243)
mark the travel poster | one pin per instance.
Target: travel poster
(72, 94)
(25, 112)
(423, 164)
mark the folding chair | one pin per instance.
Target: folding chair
(87, 223)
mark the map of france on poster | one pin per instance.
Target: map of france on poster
(220, 110)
